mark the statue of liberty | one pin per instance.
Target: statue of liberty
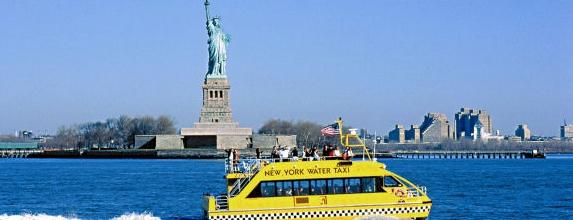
(218, 41)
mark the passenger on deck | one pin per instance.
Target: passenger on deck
(348, 154)
(275, 153)
(294, 153)
(283, 154)
(236, 159)
(330, 152)
(336, 153)
(258, 152)
(325, 150)
(314, 153)
(230, 158)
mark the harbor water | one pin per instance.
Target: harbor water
(172, 189)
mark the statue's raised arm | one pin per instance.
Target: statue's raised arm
(207, 10)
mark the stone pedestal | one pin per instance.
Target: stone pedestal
(216, 101)
(216, 128)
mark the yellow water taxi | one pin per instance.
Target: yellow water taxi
(316, 189)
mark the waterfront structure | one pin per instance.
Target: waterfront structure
(523, 132)
(467, 119)
(566, 132)
(159, 142)
(413, 134)
(435, 128)
(18, 149)
(180, 142)
(398, 135)
(18, 145)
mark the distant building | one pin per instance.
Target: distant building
(566, 132)
(435, 128)
(413, 135)
(465, 123)
(25, 134)
(397, 135)
(513, 138)
(479, 131)
(523, 132)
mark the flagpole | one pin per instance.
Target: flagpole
(339, 122)
(375, 143)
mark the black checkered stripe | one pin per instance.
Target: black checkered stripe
(325, 214)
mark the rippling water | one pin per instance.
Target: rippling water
(172, 189)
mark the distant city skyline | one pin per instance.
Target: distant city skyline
(375, 63)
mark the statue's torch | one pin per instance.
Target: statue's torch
(207, 9)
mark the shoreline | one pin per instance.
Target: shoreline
(221, 154)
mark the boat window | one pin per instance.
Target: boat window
(318, 187)
(368, 185)
(284, 188)
(335, 186)
(301, 187)
(391, 182)
(268, 189)
(352, 185)
(324, 186)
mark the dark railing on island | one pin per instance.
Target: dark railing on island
(250, 153)
(461, 154)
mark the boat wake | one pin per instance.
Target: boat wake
(126, 216)
(35, 217)
(137, 216)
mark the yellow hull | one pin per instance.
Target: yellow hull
(408, 211)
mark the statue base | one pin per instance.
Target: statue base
(217, 135)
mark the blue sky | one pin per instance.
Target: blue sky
(376, 63)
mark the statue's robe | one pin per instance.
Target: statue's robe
(217, 49)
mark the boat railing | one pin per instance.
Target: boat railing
(222, 202)
(248, 165)
(247, 168)
(417, 191)
(246, 171)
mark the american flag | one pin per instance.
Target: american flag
(330, 130)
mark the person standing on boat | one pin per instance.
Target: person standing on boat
(258, 153)
(336, 152)
(230, 158)
(315, 153)
(274, 152)
(236, 158)
(294, 153)
(283, 153)
(348, 154)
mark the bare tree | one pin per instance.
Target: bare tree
(111, 133)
